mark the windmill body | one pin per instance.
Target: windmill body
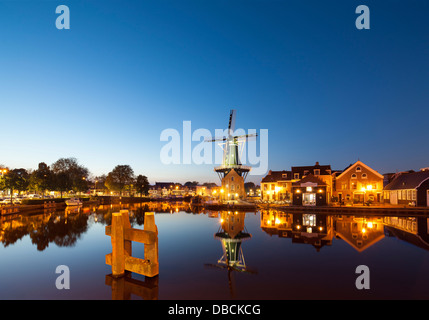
(232, 173)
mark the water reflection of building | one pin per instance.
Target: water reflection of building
(414, 230)
(231, 234)
(305, 228)
(275, 222)
(313, 229)
(358, 231)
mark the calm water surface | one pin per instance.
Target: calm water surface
(218, 255)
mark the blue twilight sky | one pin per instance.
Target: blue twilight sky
(104, 90)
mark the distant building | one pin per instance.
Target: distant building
(409, 189)
(359, 183)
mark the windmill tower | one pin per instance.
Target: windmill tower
(232, 173)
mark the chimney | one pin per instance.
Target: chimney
(317, 163)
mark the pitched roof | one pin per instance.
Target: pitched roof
(323, 169)
(360, 163)
(408, 180)
(310, 178)
(274, 176)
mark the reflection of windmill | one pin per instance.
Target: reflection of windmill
(231, 143)
(232, 233)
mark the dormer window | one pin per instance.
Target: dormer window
(296, 175)
(316, 172)
(284, 175)
(306, 172)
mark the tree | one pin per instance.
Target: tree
(42, 179)
(62, 182)
(119, 178)
(190, 184)
(75, 174)
(16, 179)
(142, 185)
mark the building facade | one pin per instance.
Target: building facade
(232, 187)
(359, 184)
(277, 186)
(410, 188)
(322, 172)
(310, 191)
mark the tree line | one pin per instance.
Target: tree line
(66, 175)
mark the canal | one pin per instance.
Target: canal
(267, 254)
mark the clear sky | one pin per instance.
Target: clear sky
(104, 90)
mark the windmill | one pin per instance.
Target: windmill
(231, 144)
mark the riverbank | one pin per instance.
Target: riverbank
(373, 210)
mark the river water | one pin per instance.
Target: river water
(266, 254)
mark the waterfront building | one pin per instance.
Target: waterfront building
(232, 186)
(411, 188)
(358, 184)
(310, 191)
(321, 172)
(277, 185)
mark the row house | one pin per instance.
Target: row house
(409, 188)
(296, 186)
(319, 185)
(358, 184)
(277, 185)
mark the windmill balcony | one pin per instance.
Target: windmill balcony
(232, 166)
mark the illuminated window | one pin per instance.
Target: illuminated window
(309, 220)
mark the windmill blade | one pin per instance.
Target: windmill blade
(245, 136)
(214, 266)
(231, 125)
(214, 139)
